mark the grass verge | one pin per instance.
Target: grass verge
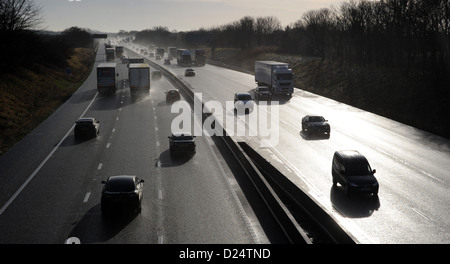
(32, 93)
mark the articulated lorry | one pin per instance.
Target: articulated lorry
(198, 57)
(275, 75)
(107, 77)
(160, 52)
(172, 52)
(184, 57)
(119, 51)
(110, 54)
(139, 78)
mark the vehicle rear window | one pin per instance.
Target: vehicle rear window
(358, 168)
(84, 123)
(120, 186)
(184, 137)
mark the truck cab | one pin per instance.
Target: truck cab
(275, 75)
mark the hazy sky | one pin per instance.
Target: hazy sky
(176, 15)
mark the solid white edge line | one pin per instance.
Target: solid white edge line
(6, 205)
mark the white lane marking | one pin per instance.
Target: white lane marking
(157, 143)
(108, 145)
(114, 130)
(117, 118)
(6, 205)
(100, 166)
(160, 239)
(86, 198)
(160, 194)
(420, 213)
(410, 165)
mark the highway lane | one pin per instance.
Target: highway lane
(412, 165)
(186, 200)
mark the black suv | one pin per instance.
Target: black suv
(315, 124)
(352, 170)
(122, 192)
(86, 127)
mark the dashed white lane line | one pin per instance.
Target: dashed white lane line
(100, 166)
(86, 198)
(160, 239)
(108, 145)
(6, 205)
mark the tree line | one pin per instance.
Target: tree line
(413, 35)
(24, 43)
(409, 34)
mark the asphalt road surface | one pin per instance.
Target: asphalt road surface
(51, 183)
(412, 165)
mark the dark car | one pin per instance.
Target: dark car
(315, 124)
(189, 72)
(122, 193)
(353, 172)
(167, 62)
(263, 93)
(172, 95)
(86, 127)
(181, 142)
(243, 101)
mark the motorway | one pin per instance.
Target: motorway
(51, 183)
(413, 205)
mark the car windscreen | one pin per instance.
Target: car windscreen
(120, 186)
(284, 76)
(316, 119)
(358, 168)
(245, 97)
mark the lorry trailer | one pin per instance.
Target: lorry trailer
(198, 57)
(184, 57)
(110, 54)
(107, 77)
(139, 78)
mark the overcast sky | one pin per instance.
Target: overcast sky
(176, 15)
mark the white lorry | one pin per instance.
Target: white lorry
(107, 77)
(139, 77)
(275, 75)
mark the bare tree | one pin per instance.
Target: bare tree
(19, 15)
(264, 27)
